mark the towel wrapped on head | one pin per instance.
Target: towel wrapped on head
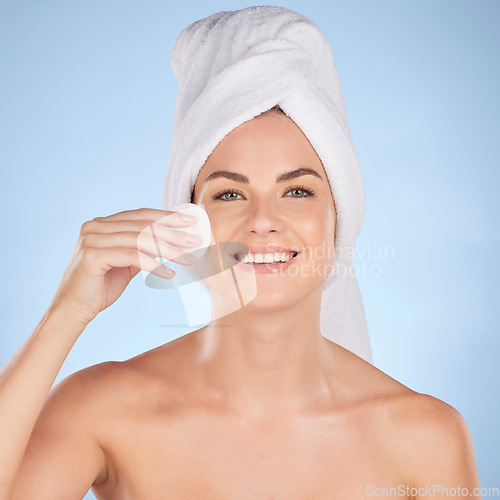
(231, 67)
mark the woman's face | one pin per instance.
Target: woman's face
(253, 202)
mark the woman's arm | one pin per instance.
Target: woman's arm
(52, 453)
(59, 442)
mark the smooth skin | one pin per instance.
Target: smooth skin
(256, 405)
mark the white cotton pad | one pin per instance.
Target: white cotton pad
(200, 228)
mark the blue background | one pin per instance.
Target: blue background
(87, 99)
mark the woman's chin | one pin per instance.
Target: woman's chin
(263, 291)
(269, 304)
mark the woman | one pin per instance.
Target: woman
(257, 404)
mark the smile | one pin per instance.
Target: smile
(265, 258)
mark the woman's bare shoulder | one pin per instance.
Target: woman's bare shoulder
(422, 418)
(112, 386)
(363, 383)
(131, 379)
(396, 406)
(401, 405)
(432, 441)
(95, 389)
(405, 408)
(90, 381)
(427, 437)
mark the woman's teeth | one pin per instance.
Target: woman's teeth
(267, 258)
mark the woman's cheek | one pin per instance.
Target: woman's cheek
(221, 224)
(318, 234)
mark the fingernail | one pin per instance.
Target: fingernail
(191, 238)
(167, 273)
(187, 218)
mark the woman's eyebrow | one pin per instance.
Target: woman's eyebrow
(236, 177)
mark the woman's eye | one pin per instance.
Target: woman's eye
(303, 192)
(223, 197)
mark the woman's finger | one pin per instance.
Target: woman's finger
(165, 217)
(109, 258)
(175, 237)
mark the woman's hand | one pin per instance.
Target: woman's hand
(110, 251)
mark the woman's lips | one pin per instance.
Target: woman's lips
(263, 268)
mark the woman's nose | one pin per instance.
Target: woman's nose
(263, 217)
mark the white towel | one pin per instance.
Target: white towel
(232, 66)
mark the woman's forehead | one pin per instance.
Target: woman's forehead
(270, 143)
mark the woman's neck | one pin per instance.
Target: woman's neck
(267, 361)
